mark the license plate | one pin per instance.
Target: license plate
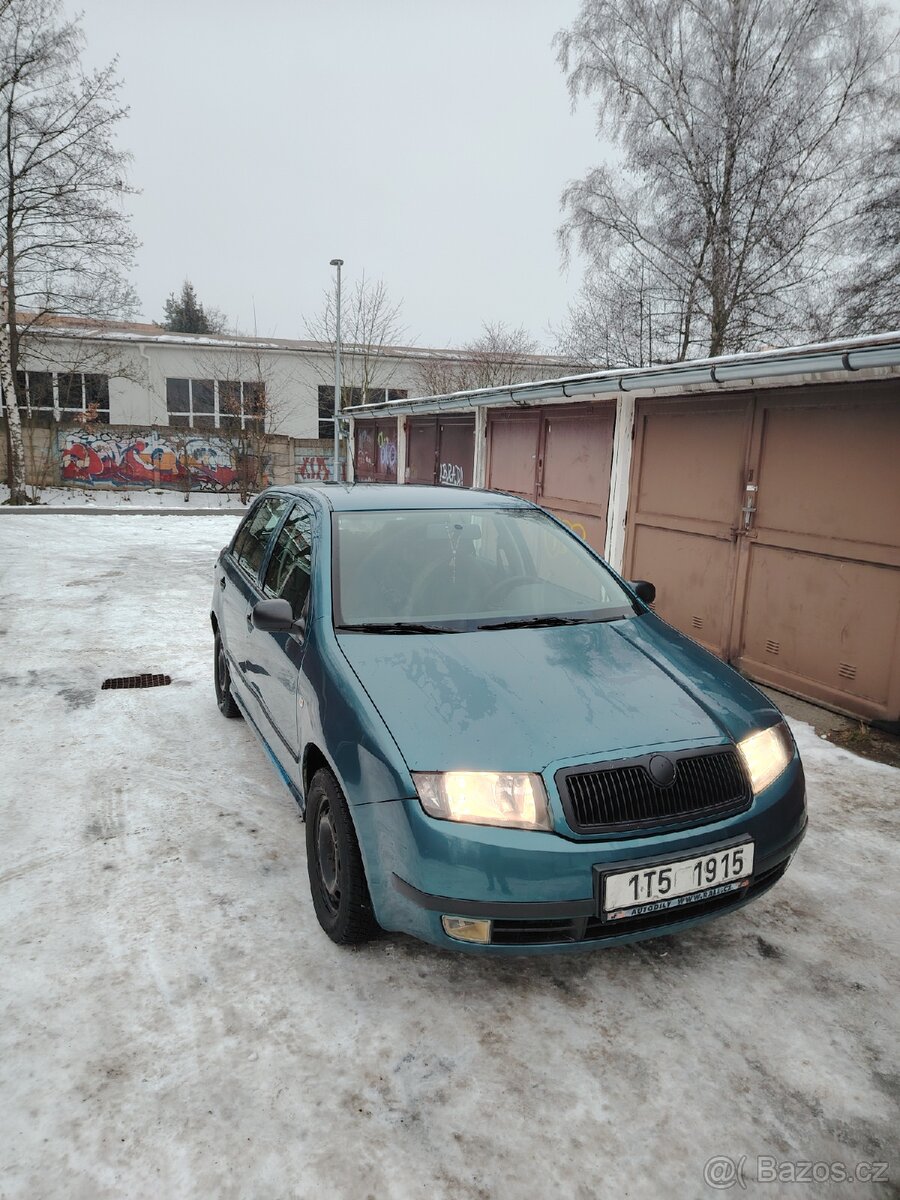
(645, 889)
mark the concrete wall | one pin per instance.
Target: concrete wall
(136, 456)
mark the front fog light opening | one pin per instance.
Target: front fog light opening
(467, 929)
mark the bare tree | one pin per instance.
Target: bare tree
(499, 356)
(65, 242)
(625, 316)
(741, 126)
(371, 326)
(250, 385)
(440, 373)
(869, 298)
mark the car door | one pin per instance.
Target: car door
(279, 656)
(239, 582)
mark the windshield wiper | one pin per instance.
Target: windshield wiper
(394, 627)
(525, 622)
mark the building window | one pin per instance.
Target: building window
(326, 410)
(350, 396)
(203, 403)
(66, 396)
(228, 404)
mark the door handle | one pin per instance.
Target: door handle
(748, 508)
(250, 621)
(222, 583)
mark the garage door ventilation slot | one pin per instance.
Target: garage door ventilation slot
(847, 671)
(135, 681)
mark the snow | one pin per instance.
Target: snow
(175, 1024)
(133, 498)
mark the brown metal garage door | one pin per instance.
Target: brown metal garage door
(559, 457)
(440, 450)
(375, 451)
(770, 524)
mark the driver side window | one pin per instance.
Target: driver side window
(253, 537)
(290, 565)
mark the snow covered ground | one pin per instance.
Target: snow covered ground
(164, 498)
(175, 1024)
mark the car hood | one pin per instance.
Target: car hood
(521, 699)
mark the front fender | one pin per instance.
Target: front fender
(348, 728)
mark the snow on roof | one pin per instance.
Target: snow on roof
(55, 325)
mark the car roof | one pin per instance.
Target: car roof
(381, 497)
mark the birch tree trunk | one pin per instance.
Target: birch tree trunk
(16, 446)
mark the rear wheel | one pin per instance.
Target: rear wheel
(337, 878)
(226, 702)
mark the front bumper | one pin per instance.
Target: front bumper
(539, 889)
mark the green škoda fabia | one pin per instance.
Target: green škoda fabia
(496, 743)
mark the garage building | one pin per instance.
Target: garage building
(759, 492)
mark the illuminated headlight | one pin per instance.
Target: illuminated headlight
(766, 754)
(516, 801)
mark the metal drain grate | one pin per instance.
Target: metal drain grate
(135, 681)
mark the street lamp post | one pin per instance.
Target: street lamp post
(337, 262)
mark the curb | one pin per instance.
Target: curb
(115, 510)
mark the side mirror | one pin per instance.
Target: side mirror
(643, 590)
(273, 616)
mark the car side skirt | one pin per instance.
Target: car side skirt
(286, 779)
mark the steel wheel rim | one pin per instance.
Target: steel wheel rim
(221, 671)
(328, 859)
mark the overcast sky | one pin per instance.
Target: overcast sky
(423, 142)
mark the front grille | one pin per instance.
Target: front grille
(510, 931)
(708, 784)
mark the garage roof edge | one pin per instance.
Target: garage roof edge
(847, 354)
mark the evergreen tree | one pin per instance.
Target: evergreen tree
(185, 313)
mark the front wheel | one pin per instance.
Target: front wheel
(337, 878)
(222, 676)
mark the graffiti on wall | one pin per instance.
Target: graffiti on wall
(315, 467)
(452, 474)
(147, 459)
(387, 451)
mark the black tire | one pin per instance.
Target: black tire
(222, 679)
(337, 878)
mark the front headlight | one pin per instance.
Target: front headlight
(766, 754)
(516, 801)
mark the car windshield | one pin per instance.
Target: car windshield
(451, 570)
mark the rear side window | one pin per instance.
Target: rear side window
(253, 537)
(288, 573)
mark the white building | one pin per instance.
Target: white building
(141, 375)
